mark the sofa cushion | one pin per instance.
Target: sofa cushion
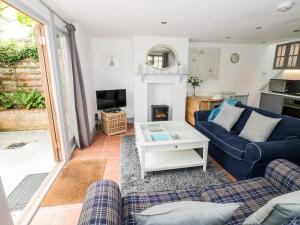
(186, 212)
(229, 142)
(228, 116)
(288, 126)
(258, 127)
(254, 193)
(137, 202)
(268, 214)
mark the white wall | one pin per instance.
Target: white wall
(235, 77)
(84, 50)
(120, 76)
(143, 94)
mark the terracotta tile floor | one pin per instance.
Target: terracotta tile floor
(102, 147)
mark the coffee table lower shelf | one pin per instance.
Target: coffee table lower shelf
(167, 160)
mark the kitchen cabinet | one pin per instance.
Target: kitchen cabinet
(287, 56)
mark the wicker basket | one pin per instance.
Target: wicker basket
(114, 123)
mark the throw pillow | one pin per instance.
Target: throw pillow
(282, 213)
(228, 116)
(258, 127)
(186, 212)
(214, 112)
(277, 210)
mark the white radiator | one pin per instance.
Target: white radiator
(243, 98)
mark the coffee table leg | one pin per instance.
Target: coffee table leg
(142, 164)
(205, 153)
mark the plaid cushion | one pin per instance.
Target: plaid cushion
(284, 175)
(294, 221)
(137, 202)
(254, 193)
(102, 205)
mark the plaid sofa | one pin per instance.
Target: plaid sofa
(104, 205)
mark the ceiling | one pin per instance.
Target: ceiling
(200, 20)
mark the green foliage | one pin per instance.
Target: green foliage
(22, 99)
(24, 19)
(12, 52)
(194, 81)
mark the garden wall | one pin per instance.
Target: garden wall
(22, 119)
(25, 74)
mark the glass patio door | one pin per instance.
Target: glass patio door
(66, 81)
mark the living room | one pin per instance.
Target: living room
(185, 112)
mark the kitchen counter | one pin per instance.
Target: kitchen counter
(282, 94)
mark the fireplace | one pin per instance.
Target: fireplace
(160, 112)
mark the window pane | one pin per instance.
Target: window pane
(281, 61)
(290, 61)
(277, 62)
(294, 61)
(292, 50)
(279, 51)
(296, 49)
(283, 51)
(66, 81)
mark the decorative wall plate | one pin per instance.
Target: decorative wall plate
(234, 58)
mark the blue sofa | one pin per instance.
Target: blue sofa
(242, 158)
(104, 204)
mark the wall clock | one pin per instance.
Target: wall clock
(234, 58)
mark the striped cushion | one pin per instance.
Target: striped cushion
(254, 193)
(137, 202)
(284, 175)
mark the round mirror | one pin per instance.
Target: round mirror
(161, 57)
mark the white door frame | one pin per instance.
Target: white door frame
(4, 210)
(49, 23)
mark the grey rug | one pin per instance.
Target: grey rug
(21, 195)
(163, 180)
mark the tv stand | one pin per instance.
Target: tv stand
(112, 110)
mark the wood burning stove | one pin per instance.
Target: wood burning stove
(160, 112)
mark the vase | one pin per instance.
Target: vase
(194, 92)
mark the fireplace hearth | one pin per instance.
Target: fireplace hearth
(160, 112)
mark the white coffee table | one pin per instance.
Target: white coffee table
(167, 145)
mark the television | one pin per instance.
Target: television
(111, 99)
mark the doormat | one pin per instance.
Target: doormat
(21, 195)
(73, 181)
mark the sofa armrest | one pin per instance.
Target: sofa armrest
(284, 175)
(259, 155)
(286, 149)
(201, 115)
(102, 204)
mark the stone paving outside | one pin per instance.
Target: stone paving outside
(35, 157)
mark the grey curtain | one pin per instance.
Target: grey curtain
(84, 138)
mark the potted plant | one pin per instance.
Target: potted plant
(194, 82)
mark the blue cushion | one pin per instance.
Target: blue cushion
(228, 142)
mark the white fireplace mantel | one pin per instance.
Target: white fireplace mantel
(155, 87)
(161, 78)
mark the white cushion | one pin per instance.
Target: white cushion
(277, 210)
(228, 116)
(186, 212)
(258, 127)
